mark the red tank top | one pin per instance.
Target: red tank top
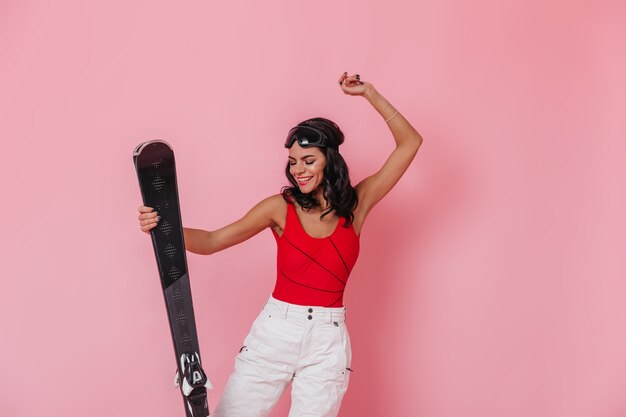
(314, 271)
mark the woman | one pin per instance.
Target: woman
(300, 336)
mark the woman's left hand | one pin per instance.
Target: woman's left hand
(352, 84)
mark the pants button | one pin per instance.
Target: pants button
(310, 310)
(310, 317)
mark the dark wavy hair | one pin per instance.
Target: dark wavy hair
(336, 186)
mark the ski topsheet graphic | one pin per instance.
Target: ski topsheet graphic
(156, 171)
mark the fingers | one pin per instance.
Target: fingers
(148, 218)
(147, 225)
(147, 213)
(352, 80)
(346, 81)
(343, 77)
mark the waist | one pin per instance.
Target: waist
(305, 313)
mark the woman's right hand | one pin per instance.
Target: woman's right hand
(148, 218)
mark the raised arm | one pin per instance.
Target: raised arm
(373, 188)
(204, 242)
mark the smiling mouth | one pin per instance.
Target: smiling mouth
(304, 180)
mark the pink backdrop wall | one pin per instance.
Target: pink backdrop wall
(491, 280)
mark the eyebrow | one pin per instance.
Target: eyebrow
(305, 156)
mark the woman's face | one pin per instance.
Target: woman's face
(306, 165)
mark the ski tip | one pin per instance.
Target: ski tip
(136, 150)
(143, 145)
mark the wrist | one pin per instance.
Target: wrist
(370, 92)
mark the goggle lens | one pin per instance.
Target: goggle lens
(306, 137)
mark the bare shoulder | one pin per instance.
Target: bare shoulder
(275, 208)
(275, 201)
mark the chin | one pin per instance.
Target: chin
(308, 190)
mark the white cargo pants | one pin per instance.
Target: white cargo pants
(308, 346)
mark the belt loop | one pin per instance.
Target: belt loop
(286, 311)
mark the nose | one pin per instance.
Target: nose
(299, 168)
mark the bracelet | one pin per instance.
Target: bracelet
(394, 115)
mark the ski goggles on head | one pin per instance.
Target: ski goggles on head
(306, 136)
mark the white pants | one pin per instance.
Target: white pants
(309, 346)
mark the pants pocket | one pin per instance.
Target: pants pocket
(346, 352)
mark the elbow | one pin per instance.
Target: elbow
(415, 142)
(200, 251)
(211, 250)
(209, 246)
(207, 252)
(418, 141)
(201, 244)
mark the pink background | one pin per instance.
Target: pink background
(491, 280)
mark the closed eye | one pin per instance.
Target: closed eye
(306, 162)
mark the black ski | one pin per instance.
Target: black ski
(156, 171)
